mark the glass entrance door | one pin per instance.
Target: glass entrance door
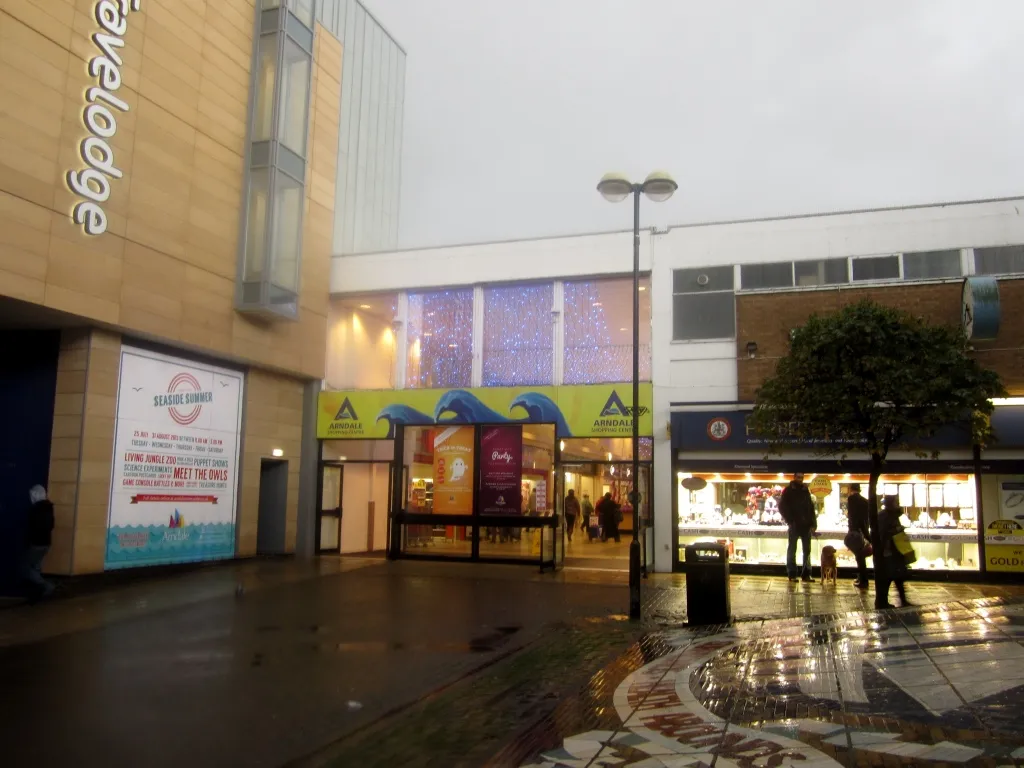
(328, 526)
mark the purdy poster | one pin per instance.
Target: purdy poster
(173, 487)
(501, 468)
(453, 471)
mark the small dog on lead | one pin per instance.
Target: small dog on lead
(829, 568)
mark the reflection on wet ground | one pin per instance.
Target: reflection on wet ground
(361, 662)
(939, 685)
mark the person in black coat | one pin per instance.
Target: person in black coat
(571, 508)
(797, 508)
(857, 517)
(609, 512)
(38, 537)
(890, 561)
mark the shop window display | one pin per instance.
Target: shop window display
(741, 511)
(480, 472)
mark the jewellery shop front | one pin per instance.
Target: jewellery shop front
(474, 474)
(963, 511)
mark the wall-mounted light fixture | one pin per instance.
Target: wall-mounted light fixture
(277, 453)
(751, 349)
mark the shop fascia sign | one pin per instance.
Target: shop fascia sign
(92, 183)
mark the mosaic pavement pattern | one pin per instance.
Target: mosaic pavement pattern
(935, 686)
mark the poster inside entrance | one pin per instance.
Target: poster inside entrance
(501, 467)
(174, 480)
(453, 471)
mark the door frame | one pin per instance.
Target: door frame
(318, 548)
(320, 512)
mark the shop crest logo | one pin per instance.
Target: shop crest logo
(346, 412)
(184, 390)
(719, 429)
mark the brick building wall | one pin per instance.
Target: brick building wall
(767, 318)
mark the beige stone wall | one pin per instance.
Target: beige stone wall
(166, 266)
(165, 269)
(83, 446)
(83, 449)
(273, 419)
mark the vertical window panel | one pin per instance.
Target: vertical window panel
(287, 231)
(598, 336)
(293, 123)
(440, 339)
(256, 226)
(266, 75)
(518, 345)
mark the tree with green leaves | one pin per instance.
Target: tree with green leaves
(868, 379)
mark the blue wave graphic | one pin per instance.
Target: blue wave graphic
(457, 406)
(542, 409)
(136, 545)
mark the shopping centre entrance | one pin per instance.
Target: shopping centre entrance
(482, 475)
(592, 546)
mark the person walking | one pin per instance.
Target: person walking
(797, 510)
(609, 512)
(571, 508)
(859, 535)
(38, 537)
(586, 512)
(890, 560)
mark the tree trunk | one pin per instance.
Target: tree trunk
(876, 537)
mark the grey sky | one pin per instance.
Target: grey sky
(513, 110)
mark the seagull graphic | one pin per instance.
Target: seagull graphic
(224, 384)
(136, 389)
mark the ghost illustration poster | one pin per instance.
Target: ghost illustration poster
(453, 471)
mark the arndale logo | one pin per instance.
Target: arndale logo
(616, 415)
(346, 420)
(346, 412)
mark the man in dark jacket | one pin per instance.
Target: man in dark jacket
(38, 537)
(797, 508)
(857, 516)
(571, 508)
(609, 512)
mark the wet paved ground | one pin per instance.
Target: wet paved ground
(365, 663)
(928, 686)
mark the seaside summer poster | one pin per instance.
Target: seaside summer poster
(453, 471)
(501, 469)
(175, 468)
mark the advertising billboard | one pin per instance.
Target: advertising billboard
(175, 473)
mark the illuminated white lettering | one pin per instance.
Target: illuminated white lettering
(91, 217)
(100, 121)
(92, 183)
(108, 44)
(95, 94)
(111, 18)
(97, 153)
(106, 72)
(89, 184)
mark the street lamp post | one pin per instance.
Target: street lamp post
(615, 187)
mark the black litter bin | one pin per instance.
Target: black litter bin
(707, 583)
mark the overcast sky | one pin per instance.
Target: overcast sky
(514, 109)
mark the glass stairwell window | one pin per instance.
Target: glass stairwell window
(270, 258)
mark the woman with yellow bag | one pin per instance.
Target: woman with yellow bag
(897, 554)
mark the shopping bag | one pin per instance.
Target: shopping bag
(902, 544)
(854, 542)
